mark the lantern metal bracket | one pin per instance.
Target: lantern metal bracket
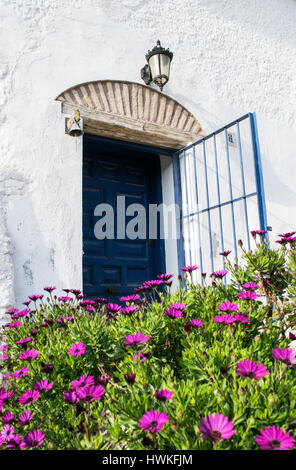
(146, 74)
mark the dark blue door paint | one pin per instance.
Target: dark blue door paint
(114, 267)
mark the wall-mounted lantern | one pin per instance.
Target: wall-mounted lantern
(74, 125)
(157, 70)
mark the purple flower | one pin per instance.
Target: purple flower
(103, 379)
(7, 432)
(178, 306)
(29, 396)
(152, 284)
(63, 320)
(49, 289)
(82, 381)
(8, 418)
(225, 253)
(216, 427)
(3, 347)
(292, 337)
(12, 311)
(28, 355)
(3, 357)
(224, 319)
(34, 439)
(46, 368)
(134, 340)
(287, 235)
(227, 307)
(25, 418)
(139, 355)
(35, 297)
(189, 269)
(165, 277)
(250, 286)
(247, 295)
(153, 421)
(219, 274)
(15, 324)
(241, 318)
(173, 313)
(5, 395)
(43, 386)
(76, 292)
(20, 373)
(274, 439)
(163, 395)
(64, 299)
(130, 298)
(15, 442)
(100, 300)
(24, 342)
(113, 308)
(250, 369)
(71, 398)
(288, 356)
(130, 378)
(129, 310)
(88, 394)
(194, 323)
(77, 349)
(258, 232)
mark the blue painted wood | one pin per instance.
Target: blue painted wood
(258, 173)
(178, 202)
(110, 170)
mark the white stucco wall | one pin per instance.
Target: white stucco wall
(230, 57)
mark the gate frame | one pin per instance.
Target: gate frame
(258, 178)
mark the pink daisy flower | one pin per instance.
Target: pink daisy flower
(152, 284)
(153, 421)
(247, 295)
(194, 323)
(29, 396)
(135, 340)
(189, 269)
(219, 274)
(77, 349)
(25, 418)
(8, 418)
(28, 355)
(224, 319)
(43, 386)
(20, 373)
(34, 439)
(250, 286)
(82, 381)
(241, 318)
(274, 439)
(129, 310)
(163, 395)
(173, 313)
(288, 356)
(250, 369)
(130, 298)
(216, 427)
(88, 394)
(228, 307)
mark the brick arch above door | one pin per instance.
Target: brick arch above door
(132, 112)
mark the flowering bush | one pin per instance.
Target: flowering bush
(208, 366)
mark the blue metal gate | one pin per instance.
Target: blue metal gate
(219, 189)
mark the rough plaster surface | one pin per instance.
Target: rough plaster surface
(230, 57)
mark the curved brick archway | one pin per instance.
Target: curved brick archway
(132, 112)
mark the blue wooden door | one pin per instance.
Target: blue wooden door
(114, 267)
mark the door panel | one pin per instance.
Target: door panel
(112, 268)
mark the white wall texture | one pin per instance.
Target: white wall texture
(230, 57)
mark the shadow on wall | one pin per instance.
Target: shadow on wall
(17, 223)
